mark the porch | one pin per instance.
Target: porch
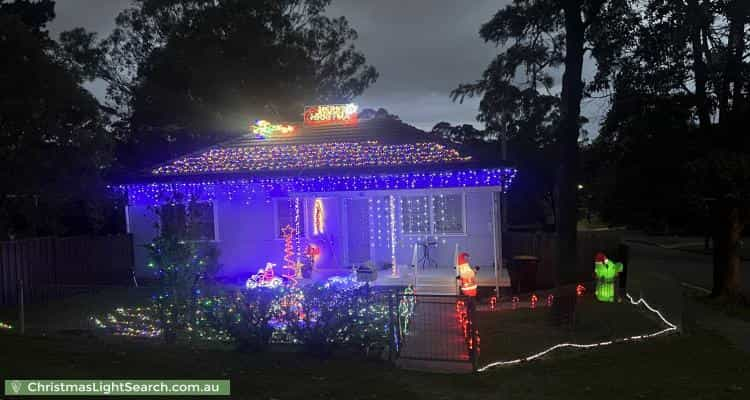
(433, 281)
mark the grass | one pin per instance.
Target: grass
(512, 334)
(696, 366)
(700, 366)
(73, 312)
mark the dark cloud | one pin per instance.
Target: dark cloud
(422, 48)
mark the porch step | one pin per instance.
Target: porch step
(436, 289)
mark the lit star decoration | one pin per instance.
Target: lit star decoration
(309, 156)
(290, 265)
(266, 130)
(245, 189)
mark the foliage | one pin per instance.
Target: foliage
(181, 267)
(187, 73)
(651, 133)
(531, 199)
(339, 314)
(686, 80)
(518, 89)
(247, 316)
(53, 141)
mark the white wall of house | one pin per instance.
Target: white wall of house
(246, 231)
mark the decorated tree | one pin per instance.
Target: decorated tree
(181, 267)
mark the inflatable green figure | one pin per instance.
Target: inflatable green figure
(606, 274)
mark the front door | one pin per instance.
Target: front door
(358, 231)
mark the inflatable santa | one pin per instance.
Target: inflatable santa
(467, 276)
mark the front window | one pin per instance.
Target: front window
(194, 221)
(448, 213)
(437, 214)
(415, 214)
(289, 212)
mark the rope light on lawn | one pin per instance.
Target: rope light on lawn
(671, 328)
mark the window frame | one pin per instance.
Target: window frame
(276, 223)
(214, 219)
(431, 214)
(401, 214)
(462, 196)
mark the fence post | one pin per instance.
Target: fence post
(21, 311)
(391, 330)
(470, 308)
(624, 253)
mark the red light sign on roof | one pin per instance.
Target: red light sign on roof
(331, 114)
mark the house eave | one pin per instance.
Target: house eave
(307, 173)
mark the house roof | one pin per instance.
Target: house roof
(377, 154)
(371, 146)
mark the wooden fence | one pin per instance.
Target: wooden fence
(544, 246)
(49, 263)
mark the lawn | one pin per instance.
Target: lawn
(72, 312)
(698, 366)
(511, 334)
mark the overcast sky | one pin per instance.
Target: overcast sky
(422, 49)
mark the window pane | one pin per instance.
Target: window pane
(286, 210)
(448, 212)
(198, 224)
(201, 221)
(172, 219)
(415, 214)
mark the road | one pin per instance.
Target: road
(653, 262)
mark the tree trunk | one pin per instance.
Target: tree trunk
(733, 79)
(700, 71)
(569, 130)
(729, 222)
(738, 18)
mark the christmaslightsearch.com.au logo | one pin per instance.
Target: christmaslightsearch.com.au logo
(40, 387)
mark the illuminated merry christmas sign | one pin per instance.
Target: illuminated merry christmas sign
(331, 114)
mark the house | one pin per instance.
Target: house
(353, 191)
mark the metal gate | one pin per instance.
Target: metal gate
(437, 328)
